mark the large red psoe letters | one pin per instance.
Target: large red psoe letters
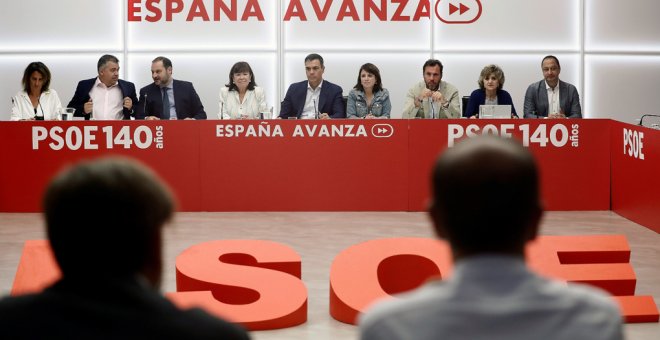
(601, 261)
(251, 282)
(258, 283)
(375, 269)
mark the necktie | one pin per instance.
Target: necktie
(166, 104)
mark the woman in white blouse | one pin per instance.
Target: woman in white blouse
(242, 98)
(36, 101)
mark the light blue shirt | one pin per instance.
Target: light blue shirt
(495, 298)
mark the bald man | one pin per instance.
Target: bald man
(486, 205)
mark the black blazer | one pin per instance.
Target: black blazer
(330, 100)
(106, 309)
(82, 96)
(186, 102)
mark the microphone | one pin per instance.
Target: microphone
(144, 110)
(641, 120)
(35, 109)
(316, 112)
(222, 109)
(43, 115)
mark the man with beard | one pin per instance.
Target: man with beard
(167, 98)
(432, 98)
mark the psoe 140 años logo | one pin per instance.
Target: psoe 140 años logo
(91, 137)
(543, 135)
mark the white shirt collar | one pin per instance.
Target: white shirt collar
(309, 87)
(100, 83)
(547, 87)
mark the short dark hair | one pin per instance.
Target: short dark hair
(315, 56)
(104, 218)
(487, 71)
(167, 63)
(36, 66)
(369, 68)
(485, 192)
(106, 58)
(432, 63)
(241, 67)
(551, 57)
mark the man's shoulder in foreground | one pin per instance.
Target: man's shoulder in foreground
(113, 311)
(533, 307)
(197, 324)
(394, 317)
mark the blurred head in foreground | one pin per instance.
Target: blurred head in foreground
(486, 197)
(104, 219)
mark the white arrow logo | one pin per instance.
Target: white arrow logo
(382, 130)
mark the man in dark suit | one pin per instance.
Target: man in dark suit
(104, 220)
(105, 97)
(314, 98)
(178, 97)
(551, 97)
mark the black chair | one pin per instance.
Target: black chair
(464, 103)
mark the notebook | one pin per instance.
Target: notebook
(494, 111)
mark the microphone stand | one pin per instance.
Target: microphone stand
(144, 109)
(43, 115)
(432, 108)
(641, 120)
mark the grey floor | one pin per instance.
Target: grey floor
(319, 237)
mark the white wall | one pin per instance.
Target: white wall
(609, 50)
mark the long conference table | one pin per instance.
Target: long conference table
(337, 165)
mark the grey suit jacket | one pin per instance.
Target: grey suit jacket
(536, 100)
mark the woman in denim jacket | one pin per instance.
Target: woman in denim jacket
(368, 99)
